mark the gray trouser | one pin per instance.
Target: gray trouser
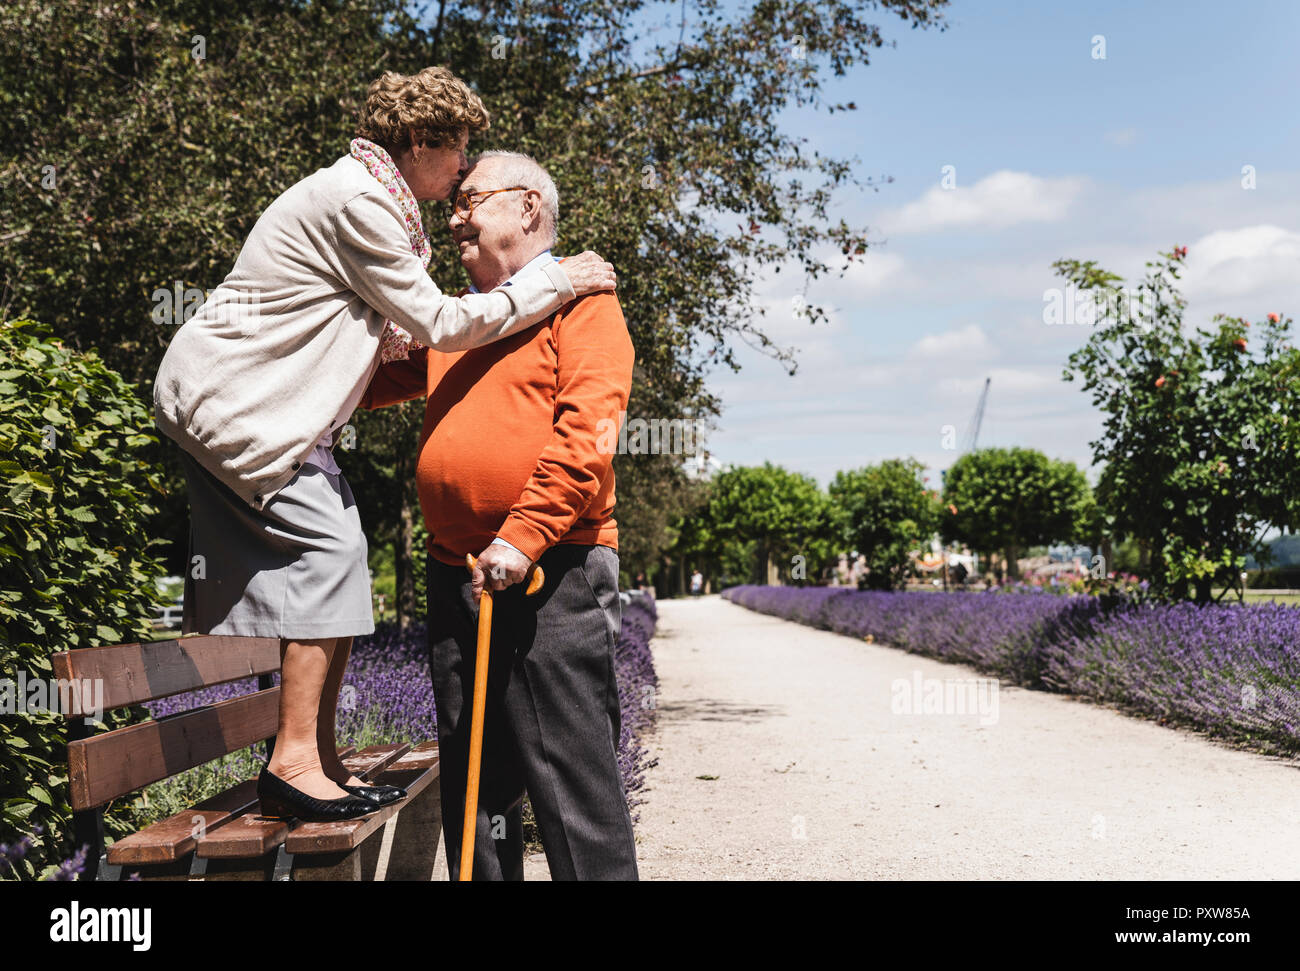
(552, 721)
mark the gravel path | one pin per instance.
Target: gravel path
(780, 756)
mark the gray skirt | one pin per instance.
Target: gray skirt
(296, 569)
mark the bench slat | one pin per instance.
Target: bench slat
(369, 762)
(171, 838)
(115, 763)
(248, 835)
(421, 756)
(135, 673)
(347, 834)
(256, 834)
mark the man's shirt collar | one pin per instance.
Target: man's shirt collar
(535, 263)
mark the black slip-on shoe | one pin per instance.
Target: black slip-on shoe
(281, 800)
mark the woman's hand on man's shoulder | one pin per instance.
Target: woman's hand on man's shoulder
(588, 272)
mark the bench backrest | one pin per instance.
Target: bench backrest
(112, 764)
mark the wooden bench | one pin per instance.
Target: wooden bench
(225, 837)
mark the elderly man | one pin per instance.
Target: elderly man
(515, 467)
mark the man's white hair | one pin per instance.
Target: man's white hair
(516, 168)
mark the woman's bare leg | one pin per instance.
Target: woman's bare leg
(304, 666)
(326, 732)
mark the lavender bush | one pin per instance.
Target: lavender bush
(1230, 670)
(634, 671)
(12, 854)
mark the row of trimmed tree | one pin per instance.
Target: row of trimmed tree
(766, 524)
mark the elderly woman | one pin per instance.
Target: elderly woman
(256, 387)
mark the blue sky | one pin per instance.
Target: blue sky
(1056, 154)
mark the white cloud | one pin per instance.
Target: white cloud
(968, 342)
(865, 277)
(874, 273)
(786, 319)
(1245, 261)
(1186, 210)
(1121, 136)
(1006, 381)
(998, 200)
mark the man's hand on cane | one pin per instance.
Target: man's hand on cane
(498, 567)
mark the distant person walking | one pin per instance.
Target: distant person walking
(697, 583)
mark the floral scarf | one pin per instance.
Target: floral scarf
(396, 343)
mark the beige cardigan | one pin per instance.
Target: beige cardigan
(263, 368)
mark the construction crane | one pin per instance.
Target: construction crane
(973, 430)
(973, 433)
(972, 439)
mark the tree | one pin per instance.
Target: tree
(1200, 439)
(1009, 499)
(144, 139)
(162, 159)
(654, 501)
(783, 514)
(884, 512)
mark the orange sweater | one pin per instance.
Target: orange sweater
(519, 435)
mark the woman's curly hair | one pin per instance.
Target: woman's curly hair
(432, 107)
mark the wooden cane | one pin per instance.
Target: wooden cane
(535, 582)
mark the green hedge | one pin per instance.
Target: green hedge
(76, 474)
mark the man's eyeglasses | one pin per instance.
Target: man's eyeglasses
(465, 203)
